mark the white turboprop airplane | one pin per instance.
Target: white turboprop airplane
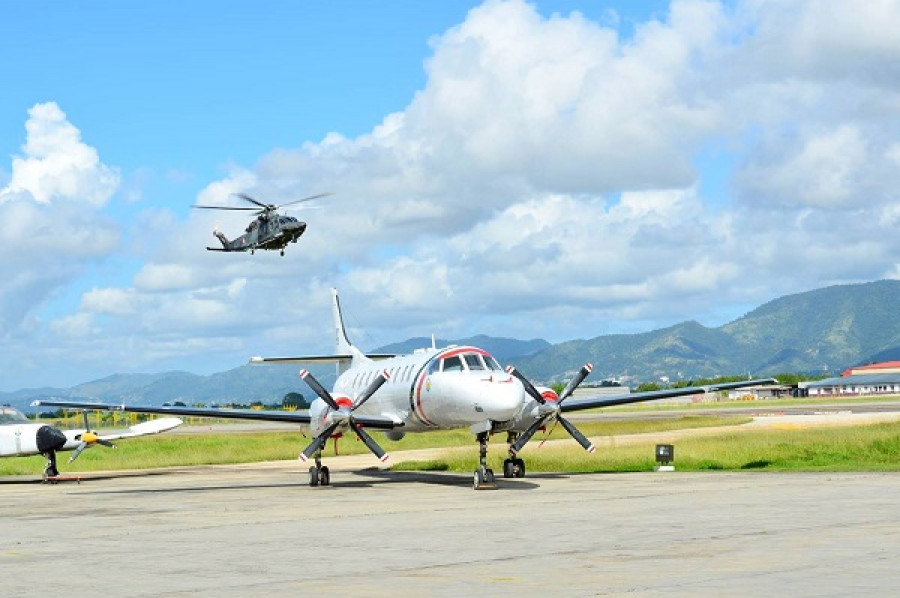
(20, 437)
(430, 389)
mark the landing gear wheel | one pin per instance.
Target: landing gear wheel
(282, 253)
(478, 479)
(489, 476)
(518, 467)
(509, 470)
(313, 476)
(324, 476)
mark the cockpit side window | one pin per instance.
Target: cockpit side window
(473, 360)
(452, 364)
(491, 363)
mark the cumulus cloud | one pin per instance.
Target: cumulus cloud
(51, 227)
(57, 164)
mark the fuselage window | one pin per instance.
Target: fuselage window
(474, 361)
(453, 364)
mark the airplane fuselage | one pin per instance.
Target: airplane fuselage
(431, 389)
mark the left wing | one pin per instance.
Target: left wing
(640, 397)
(295, 417)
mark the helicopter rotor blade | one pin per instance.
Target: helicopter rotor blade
(246, 197)
(311, 197)
(224, 208)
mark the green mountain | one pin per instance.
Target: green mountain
(825, 330)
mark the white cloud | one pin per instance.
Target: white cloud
(57, 164)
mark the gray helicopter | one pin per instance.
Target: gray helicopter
(269, 230)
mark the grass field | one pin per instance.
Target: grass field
(874, 447)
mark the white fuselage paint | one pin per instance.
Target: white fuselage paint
(431, 389)
(20, 440)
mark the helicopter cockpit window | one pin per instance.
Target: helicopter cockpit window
(453, 364)
(473, 360)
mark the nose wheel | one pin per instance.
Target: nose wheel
(484, 476)
(50, 470)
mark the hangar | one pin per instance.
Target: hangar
(871, 379)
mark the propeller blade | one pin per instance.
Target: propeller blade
(318, 389)
(529, 387)
(318, 442)
(311, 197)
(106, 443)
(369, 441)
(379, 380)
(78, 451)
(523, 439)
(574, 382)
(573, 431)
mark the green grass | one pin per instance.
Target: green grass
(852, 448)
(874, 447)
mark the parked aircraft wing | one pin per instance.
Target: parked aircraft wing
(296, 417)
(640, 397)
(316, 358)
(154, 426)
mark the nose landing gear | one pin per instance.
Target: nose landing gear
(484, 477)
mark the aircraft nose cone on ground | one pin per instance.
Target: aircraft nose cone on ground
(504, 398)
(50, 439)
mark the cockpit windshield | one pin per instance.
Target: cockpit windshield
(8, 415)
(469, 361)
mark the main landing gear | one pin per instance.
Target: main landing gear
(318, 473)
(513, 466)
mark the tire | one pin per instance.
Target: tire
(509, 469)
(324, 476)
(313, 476)
(478, 480)
(519, 468)
(489, 476)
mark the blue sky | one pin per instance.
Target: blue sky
(547, 169)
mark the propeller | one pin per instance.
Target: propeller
(343, 415)
(87, 439)
(549, 410)
(261, 208)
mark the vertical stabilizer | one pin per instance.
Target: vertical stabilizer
(342, 345)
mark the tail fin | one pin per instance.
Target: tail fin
(222, 238)
(342, 345)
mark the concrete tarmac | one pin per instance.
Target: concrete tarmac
(258, 530)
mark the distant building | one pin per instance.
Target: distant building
(872, 379)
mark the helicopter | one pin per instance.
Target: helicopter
(269, 230)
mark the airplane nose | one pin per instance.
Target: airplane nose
(505, 399)
(50, 439)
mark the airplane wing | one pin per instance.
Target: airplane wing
(294, 417)
(640, 397)
(317, 358)
(154, 426)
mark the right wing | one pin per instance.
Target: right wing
(653, 395)
(294, 417)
